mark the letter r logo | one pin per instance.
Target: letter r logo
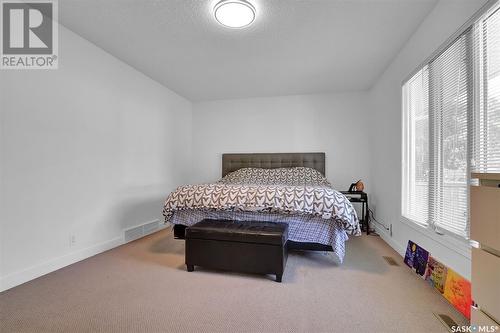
(27, 28)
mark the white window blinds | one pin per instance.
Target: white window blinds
(487, 120)
(416, 157)
(450, 94)
(451, 126)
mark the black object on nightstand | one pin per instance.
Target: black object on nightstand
(362, 197)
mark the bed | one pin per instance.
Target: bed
(274, 187)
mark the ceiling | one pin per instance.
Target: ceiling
(293, 47)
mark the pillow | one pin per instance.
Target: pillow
(300, 176)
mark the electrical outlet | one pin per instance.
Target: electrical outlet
(72, 240)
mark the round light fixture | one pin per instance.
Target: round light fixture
(234, 13)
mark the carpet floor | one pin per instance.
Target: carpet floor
(143, 286)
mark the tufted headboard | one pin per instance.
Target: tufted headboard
(233, 162)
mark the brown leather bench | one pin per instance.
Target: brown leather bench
(241, 246)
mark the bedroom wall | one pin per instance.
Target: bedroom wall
(331, 123)
(87, 150)
(385, 120)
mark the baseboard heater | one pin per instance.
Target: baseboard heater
(141, 230)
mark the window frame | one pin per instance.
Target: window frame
(449, 239)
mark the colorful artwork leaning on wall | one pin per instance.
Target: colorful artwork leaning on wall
(435, 274)
(411, 249)
(455, 288)
(457, 291)
(420, 261)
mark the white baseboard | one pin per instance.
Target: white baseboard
(18, 278)
(390, 241)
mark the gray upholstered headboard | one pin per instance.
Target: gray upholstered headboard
(233, 162)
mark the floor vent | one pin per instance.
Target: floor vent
(446, 320)
(391, 261)
(141, 230)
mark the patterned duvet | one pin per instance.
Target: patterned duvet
(302, 197)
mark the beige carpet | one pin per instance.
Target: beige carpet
(143, 287)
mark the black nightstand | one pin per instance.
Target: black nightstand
(361, 197)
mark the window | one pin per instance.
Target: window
(487, 124)
(451, 125)
(416, 156)
(450, 94)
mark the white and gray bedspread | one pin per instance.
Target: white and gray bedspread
(301, 197)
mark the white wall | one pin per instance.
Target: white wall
(87, 150)
(332, 123)
(385, 99)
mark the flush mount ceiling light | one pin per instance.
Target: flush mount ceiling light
(234, 13)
